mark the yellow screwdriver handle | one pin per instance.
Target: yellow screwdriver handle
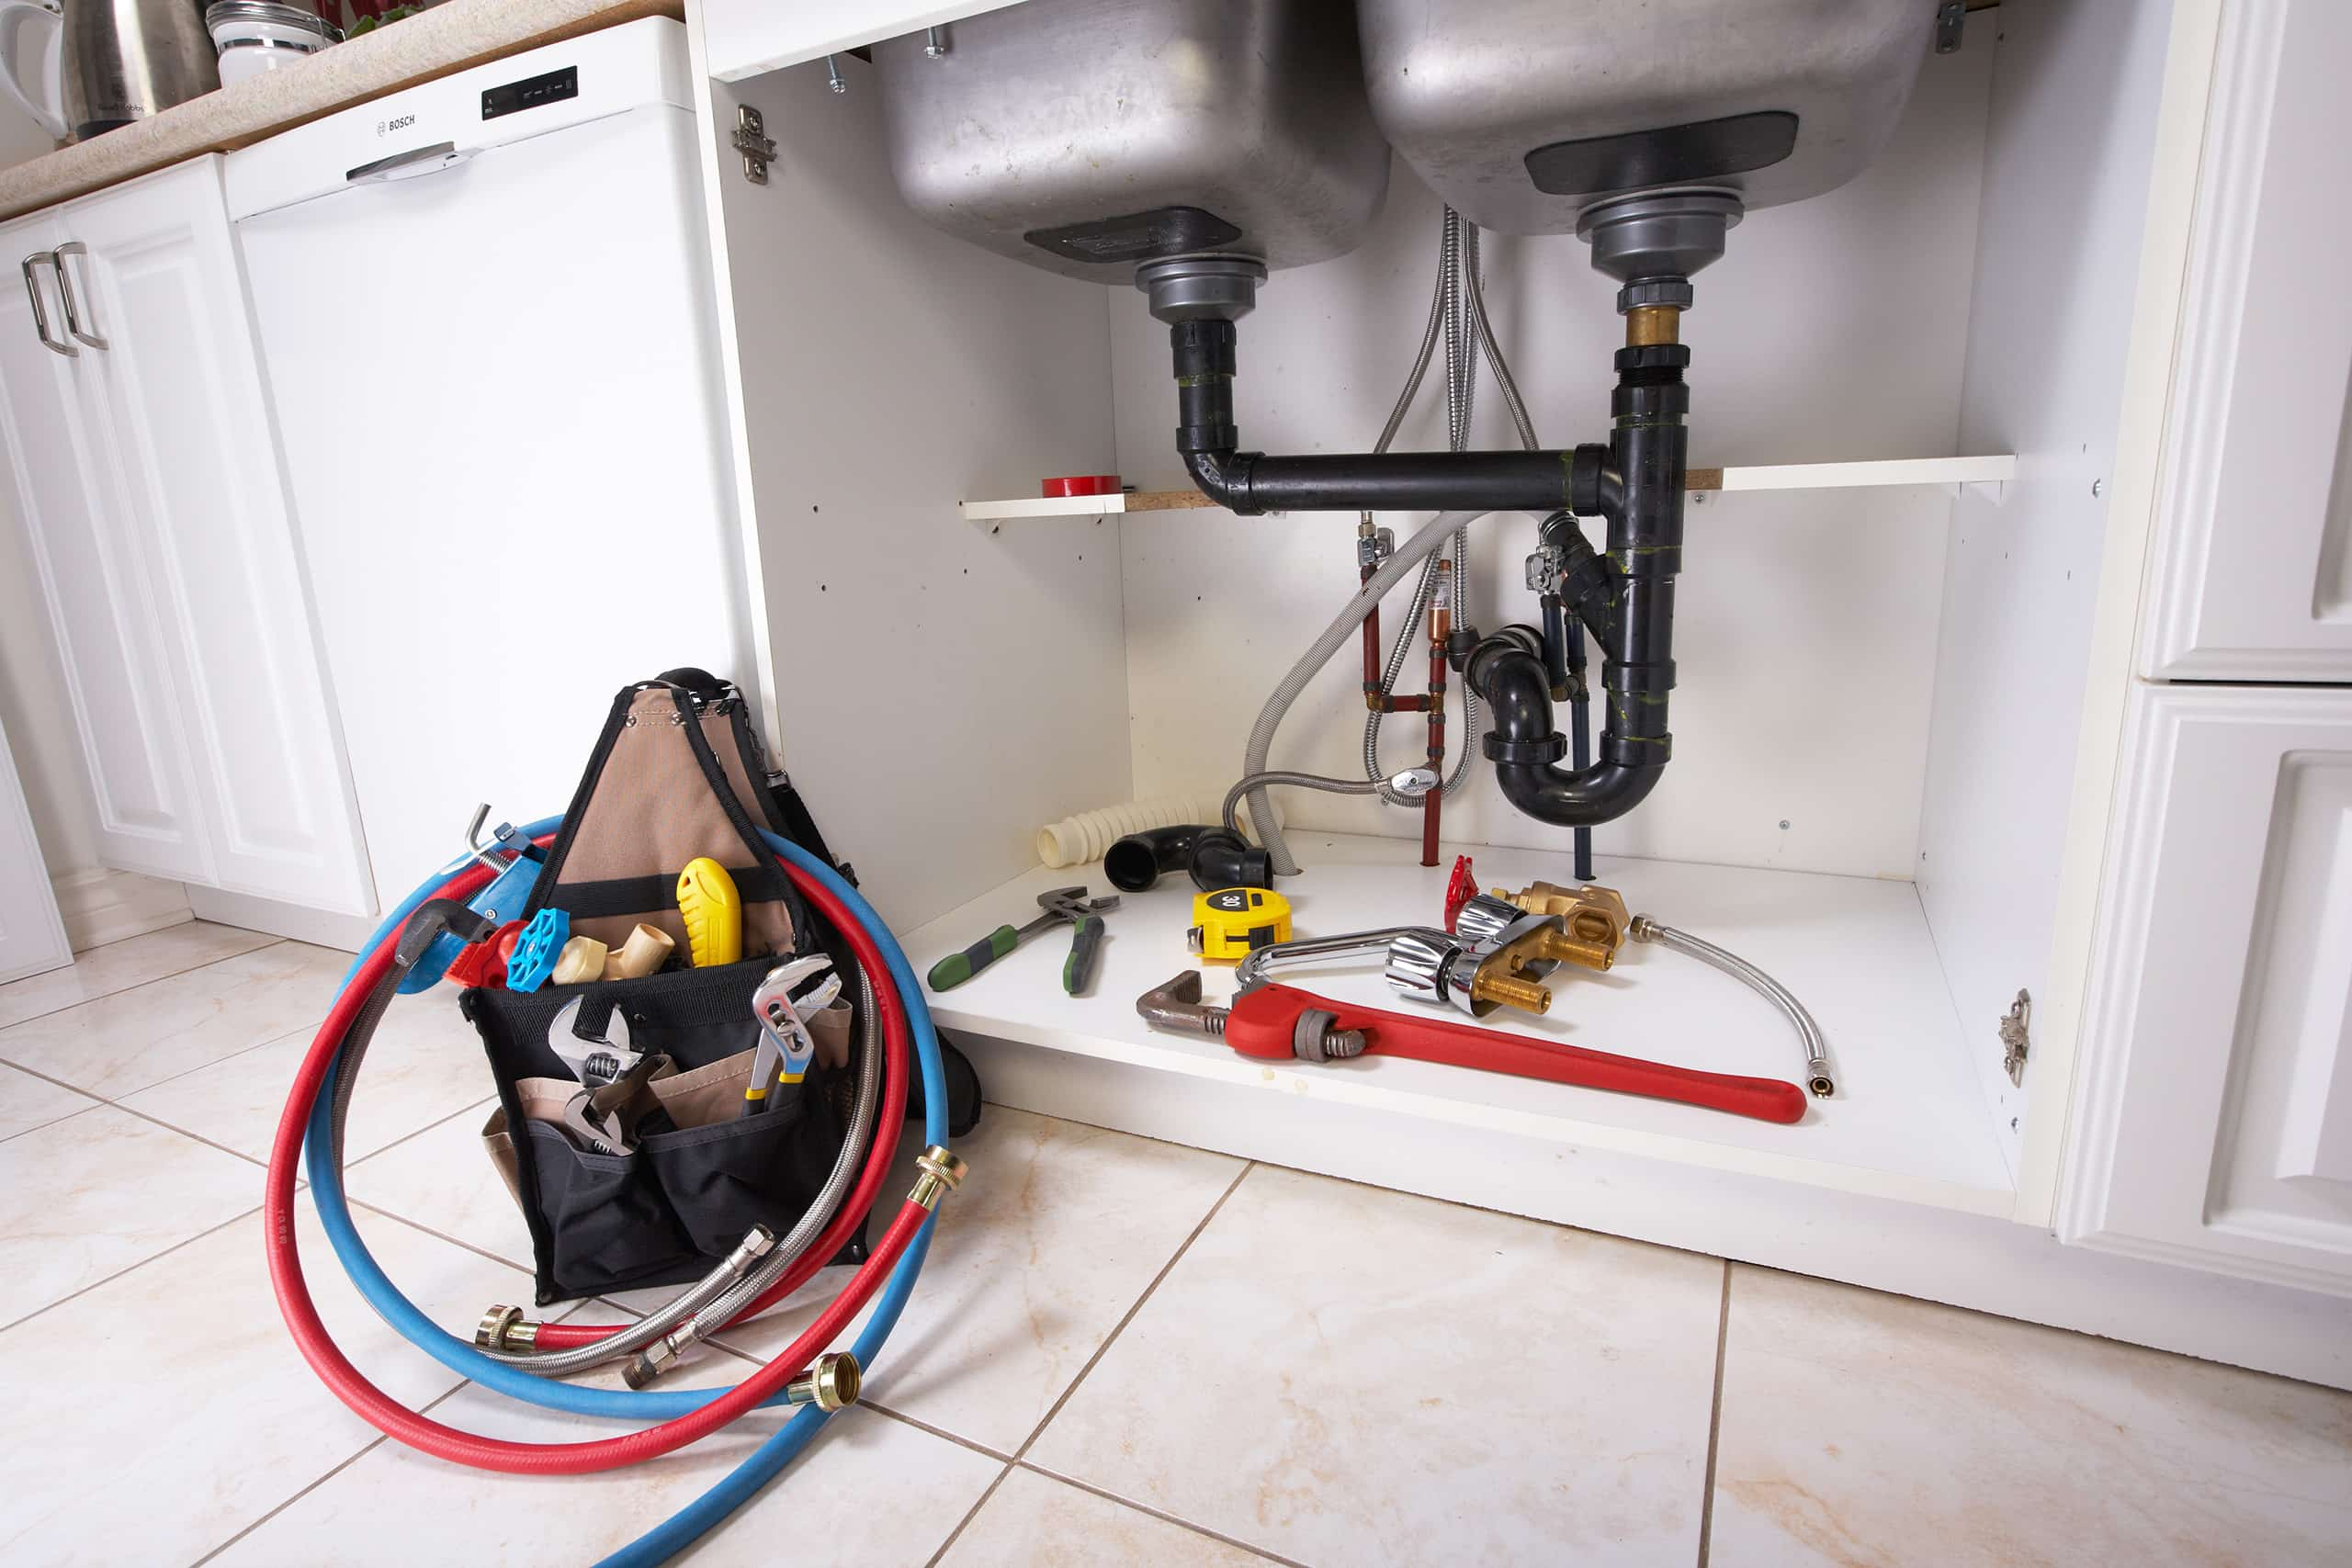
(713, 911)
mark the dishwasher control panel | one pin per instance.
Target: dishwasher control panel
(531, 92)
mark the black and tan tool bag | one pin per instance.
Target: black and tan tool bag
(678, 774)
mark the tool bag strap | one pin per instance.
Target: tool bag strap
(656, 794)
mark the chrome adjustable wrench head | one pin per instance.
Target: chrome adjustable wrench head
(1072, 904)
(595, 1059)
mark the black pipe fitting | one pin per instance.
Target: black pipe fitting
(1625, 600)
(1213, 857)
(1251, 483)
(1627, 603)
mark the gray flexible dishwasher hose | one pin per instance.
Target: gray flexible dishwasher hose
(1229, 815)
(1430, 538)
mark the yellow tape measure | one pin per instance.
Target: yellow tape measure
(1232, 922)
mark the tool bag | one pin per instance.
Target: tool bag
(677, 773)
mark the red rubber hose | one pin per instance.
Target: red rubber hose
(431, 1437)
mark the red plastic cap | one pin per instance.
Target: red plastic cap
(1082, 484)
(1460, 889)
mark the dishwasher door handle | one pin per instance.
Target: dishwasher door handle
(409, 164)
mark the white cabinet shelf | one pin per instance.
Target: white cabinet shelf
(1994, 470)
(1908, 1120)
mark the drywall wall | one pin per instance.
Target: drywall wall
(1834, 329)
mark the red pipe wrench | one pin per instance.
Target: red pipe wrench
(1282, 1024)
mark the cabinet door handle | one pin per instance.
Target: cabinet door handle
(65, 291)
(40, 316)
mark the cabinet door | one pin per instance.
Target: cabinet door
(94, 579)
(159, 284)
(32, 937)
(2212, 1120)
(2252, 572)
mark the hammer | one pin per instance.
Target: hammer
(1280, 1023)
(1060, 904)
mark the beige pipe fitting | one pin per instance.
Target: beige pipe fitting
(582, 960)
(647, 949)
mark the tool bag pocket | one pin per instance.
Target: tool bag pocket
(700, 1172)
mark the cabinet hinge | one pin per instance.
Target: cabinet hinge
(2014, 1042)
(753, 140)
(1951, 17)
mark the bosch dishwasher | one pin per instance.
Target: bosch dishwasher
(486, 320)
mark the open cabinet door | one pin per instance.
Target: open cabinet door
(31, 936)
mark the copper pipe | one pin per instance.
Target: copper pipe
(1441, 628)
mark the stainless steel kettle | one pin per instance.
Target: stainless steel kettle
(117, 61)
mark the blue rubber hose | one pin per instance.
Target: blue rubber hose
(462, 1358)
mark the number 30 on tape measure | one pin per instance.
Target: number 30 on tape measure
(1232, 922)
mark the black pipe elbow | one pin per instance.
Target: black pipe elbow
(1213, 857)
(1526, 749)
(1224, 477)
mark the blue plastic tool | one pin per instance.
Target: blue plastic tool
(536, 950)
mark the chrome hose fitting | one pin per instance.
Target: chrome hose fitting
(942, 1174)
(505, 1328)
(757, 1243)
(649, 1363)
(832, 1384)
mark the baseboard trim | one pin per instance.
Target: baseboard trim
(347, 933)
(99, 905)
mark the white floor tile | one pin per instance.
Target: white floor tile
(1053, 1236)
(870, 1490)
(442, 1179)
(118, 966)
(97, 1192)
(1034, 1521)
(172, 1409)
(1343, 1375)
(26, 1102)
(1862, 1428)
(125, 1041)
(425, 1062)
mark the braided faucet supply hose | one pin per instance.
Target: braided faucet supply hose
(691, 1415)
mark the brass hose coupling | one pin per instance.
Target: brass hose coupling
(832, 1384)
(505, 1328)
(942, 1174)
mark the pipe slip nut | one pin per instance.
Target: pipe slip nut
(942, 1174)
(505, 1328)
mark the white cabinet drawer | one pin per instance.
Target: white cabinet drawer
(2251, 579)
(2212, 1117)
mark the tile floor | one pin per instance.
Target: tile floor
(1123, 1352)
